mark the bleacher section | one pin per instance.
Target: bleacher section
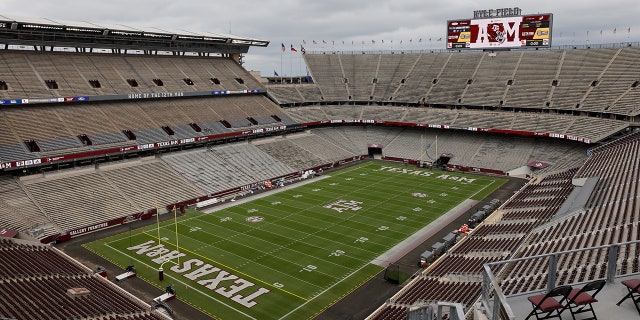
(329, 72)
(577, 70)
(227, 167)
(56, 128)
(248, 158)
(452, 82)
(433, 289)
(419, 80)
(594, 129)
(91, 196)
(343, 112)
(348, 138)
(206, 171)
(35, 280)
(489, 79)
(286, 94)
(88, 199)
(148, 184)
(611, 215)
(19, 212)
(291, 153)
(590, 79)
(533, 79)
(480, 150)
(60, 129)
(72, 72)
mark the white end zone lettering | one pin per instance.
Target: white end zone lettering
(225, 284)
(455, 178)
(464, 180)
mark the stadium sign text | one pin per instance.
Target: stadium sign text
(88, 229)
(153, 95)
(196, 270)
(494, 13)
(263, 130)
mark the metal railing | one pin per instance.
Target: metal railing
(494, 301)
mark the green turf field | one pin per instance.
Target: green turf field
(292, 254)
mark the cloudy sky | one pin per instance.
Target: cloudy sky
(393, 25)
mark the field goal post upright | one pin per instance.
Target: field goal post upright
(175, 221)
(160, 271)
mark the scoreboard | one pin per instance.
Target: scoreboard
(500, 32)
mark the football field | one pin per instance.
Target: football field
(291, 254)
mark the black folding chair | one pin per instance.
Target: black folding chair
(580, 300)
(633, 285)
(550, 305)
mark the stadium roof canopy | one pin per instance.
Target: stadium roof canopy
(42, 33)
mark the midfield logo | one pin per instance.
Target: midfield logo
(342, 205)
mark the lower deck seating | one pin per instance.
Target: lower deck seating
(34, 280)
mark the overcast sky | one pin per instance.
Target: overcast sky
(393, 25)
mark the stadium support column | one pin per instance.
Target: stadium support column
(237, 57)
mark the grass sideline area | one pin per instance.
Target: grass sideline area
(292, 254)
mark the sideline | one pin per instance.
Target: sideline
(265, 193)
(401, 249)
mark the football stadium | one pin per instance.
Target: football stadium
(146, 174)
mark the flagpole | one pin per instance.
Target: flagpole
(281, 52)
(158, 223)
(157, 220)
(160, 270)
(300, 63)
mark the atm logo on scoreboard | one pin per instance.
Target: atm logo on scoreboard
(495, 32)
(500, 32)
